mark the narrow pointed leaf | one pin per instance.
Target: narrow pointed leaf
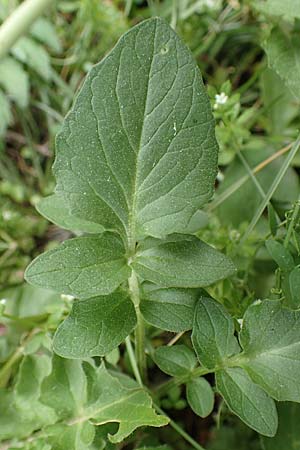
(200, 396)
(213, 334)
(181, 261)
(137, 153)
(82, 267)
(95, 326)
(270, 338)
(247, 400)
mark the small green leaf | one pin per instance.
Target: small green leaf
(14, 79)
(283, 53)
(43, 30)
(294, 284)
(280, 254)
(5, 113)
(141, 157)
(177, 360)
(82, 267)
(55, 209)
(200, 396)
(34, 55)
(181, 261)
(213, 333)
(95, 326)
(270, 338)
(248, 401)
(288, 434)
(170, 309)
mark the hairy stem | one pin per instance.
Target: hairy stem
(19, 22)
(140, 328)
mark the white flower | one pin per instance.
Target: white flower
(221, 99)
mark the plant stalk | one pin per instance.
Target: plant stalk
(140, 328)
(19, 22)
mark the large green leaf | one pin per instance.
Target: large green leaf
(288, 434)
(212, 337)
(95, 326)
(82, 393)
(82, 267)
(247, 400)
(177, 360)
(270, 338)
(283, 53)
(137, 153)
(181, 261)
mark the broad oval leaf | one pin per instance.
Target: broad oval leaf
(248, 401)
(137, 153)
(95, 326)
(181, 261)
(170, 309)
(82, 267)
(177, 360)
(200, 396)
(213, 334)
(270, 338)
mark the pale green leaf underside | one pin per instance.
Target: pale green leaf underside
(181, 261)
(14, 79)
(170, 309)
(137, 153)
(284, 57)
(82, 267)
(270, 338)
(177, 360)
(97, 396)
(55, 209)
(200, 396)
(95, 326)
(247, 400)
(213, 333)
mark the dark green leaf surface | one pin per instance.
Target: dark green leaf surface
(170, 309)
(83, 267)
(270, 338)
(200, 396)
(137, 153)
(177, 360)
(95, 326)
(212, 336)
(247, 400)
(181, 261)
(294, 284)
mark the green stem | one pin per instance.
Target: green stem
(6, 369)
(19, 22)
(132, 360)
(180, 430)
(140, 328)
